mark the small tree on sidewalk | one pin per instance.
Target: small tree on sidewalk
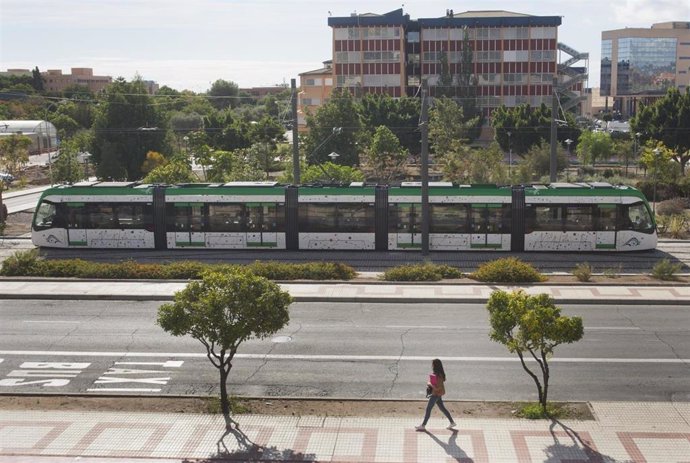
(531, 325)
(221, 311)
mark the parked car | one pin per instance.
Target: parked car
(6, 177)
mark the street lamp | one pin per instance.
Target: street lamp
(510, 154)
(656, 152)
(333, 156)
(636, 146)
(568, 141)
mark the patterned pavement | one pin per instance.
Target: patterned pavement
(350, 292)
(622, 432)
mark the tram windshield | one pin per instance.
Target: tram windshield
(45, 215)
(636, 217)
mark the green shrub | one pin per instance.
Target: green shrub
(677, 226)
(21, 263)
(421, 272)
(508, 270)
(672, 206)
(583, 271)
(613, 272)
(665, 270)
(305, 271)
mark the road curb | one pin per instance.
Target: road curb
(366, 299)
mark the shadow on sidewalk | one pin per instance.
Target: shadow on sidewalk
(559, 452)
(451, 447)
(248, 450)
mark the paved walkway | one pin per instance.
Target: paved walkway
(349, 292)
(622, 432)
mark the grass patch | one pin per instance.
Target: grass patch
(237, 406)
(534, 411)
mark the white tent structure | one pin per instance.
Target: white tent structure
(42, 133)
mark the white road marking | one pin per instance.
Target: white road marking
(123, 389)
(337, 358)
(51, 321)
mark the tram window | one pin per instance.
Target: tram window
(404, 218)
(274, 217)
(449, 218)
(134, 216)
(185, 218)
(605, 217)
(355, 218)
(498, 219)
(315, 218)
(77, 216)
(578, 218)
(636, 217)
(226, 217)
(45, 216)
(547, 218)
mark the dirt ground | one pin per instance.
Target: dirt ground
(291, 407)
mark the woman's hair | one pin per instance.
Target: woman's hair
(437, 366)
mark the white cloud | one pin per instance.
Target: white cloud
(642, 13)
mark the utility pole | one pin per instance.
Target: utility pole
(295, 134)
(554, 132)
(424, 128)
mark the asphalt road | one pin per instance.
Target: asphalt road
(341, 350)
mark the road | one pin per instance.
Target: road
(341, 350)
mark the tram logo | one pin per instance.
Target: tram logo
(632, 242)
(52, 239)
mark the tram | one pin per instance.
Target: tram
(266, 215)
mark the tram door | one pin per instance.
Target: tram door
(262, 223)
(189, 225)
(77, 223)
(606, 226)
(408, 225)
(486, 222)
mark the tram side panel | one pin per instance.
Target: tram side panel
(337, 218)
(458, 223)
(225, 221)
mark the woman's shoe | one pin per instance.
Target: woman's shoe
(421, 427)
(452, 425)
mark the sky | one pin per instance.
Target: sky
(188, 44)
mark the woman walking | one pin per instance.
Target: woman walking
(436, 383)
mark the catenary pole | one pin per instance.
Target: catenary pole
(554, 133)
(295, 134)
(424, 128)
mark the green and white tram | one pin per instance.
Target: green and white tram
(261, 215)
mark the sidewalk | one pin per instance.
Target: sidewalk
(17, 288)
(621, 432)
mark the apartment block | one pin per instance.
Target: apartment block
(55, 81)
(639, 65)
(315, 88)
(514, 57)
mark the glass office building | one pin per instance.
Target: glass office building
(640, 65)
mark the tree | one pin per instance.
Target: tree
(66, 126)
(37, 80)
(531, 325)
(262, 156)
(659, 162)
(224, 94)
(176, 171)
(537, 163)
(668, 121)
(266, 130)
(385, 159)
(447, 126)
(153, 160)
(400, 115)
(469, 165)
(335, 127)
(593, 146)
(128, 121)
(221, 311)
(67, 167)
(14, 152)
(444, 85)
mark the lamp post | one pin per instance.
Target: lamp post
(636, 147)
(335, 131)
(510, 155)
(333, 156)
(656, 152)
